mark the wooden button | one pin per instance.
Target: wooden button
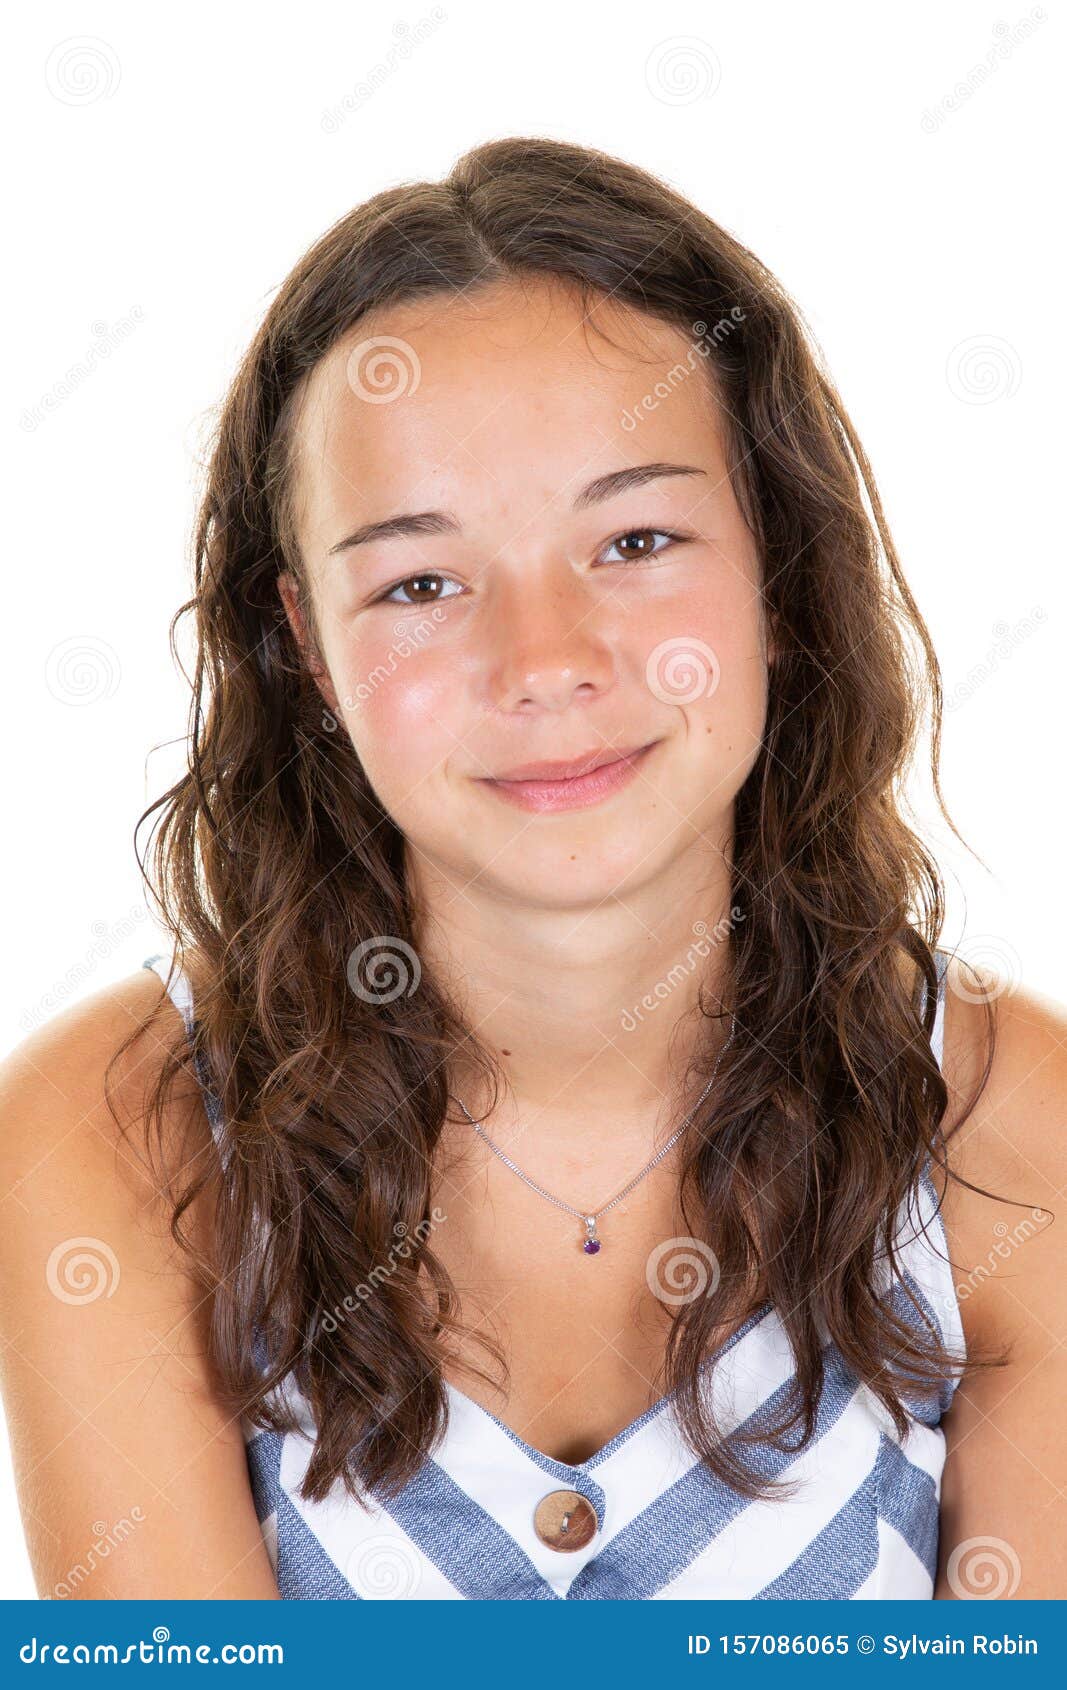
(565, 1519)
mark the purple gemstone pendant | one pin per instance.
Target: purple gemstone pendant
(592, 1242)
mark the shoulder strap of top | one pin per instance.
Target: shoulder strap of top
(921, 1244)
(181, 994)
(937, 1035)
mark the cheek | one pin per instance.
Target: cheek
(398, 704)
(704, 656)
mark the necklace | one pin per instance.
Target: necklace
(591, 1243)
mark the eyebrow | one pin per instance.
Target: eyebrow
(446, 522)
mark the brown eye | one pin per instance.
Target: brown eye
(418, 582)
(635, 543)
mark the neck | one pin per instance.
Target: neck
(593, 1014)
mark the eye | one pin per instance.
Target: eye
(643, 534)
(412, 581)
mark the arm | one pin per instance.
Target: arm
(116, 1438)
(1005, 1475)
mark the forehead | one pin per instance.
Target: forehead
(513, 389)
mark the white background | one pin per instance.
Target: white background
(166, 170)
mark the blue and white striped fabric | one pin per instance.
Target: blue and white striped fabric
(863, 1524)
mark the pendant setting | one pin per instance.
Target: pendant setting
(592, 1242)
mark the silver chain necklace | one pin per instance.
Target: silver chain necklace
(591, 1243)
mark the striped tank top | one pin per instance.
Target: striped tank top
(486, 1516)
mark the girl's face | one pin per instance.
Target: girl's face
(496, 585)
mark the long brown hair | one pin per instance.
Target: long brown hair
(275, 862)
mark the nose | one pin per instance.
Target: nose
(548, 648)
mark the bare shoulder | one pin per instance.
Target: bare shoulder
(121, 1452)
(1006, 1465)
(1015, 1141)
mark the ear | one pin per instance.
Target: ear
(288, 592)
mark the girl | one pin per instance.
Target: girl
(551, 1182)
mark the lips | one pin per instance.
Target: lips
(572, 768)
